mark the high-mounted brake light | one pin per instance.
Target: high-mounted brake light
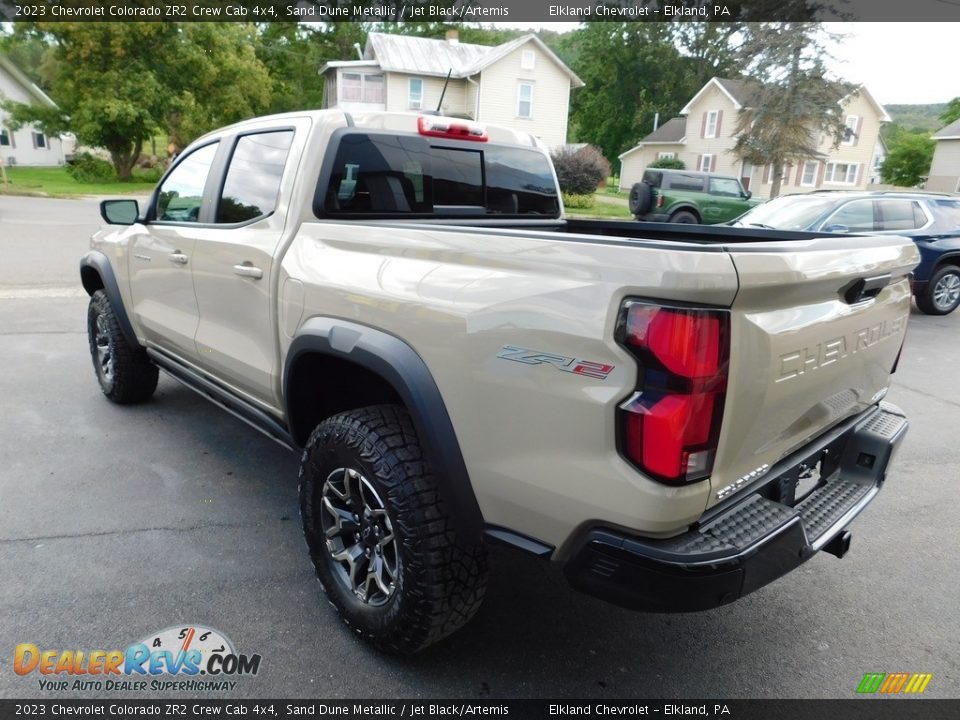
(670, 426)
(435, 126)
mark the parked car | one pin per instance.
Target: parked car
(932, 220)
(401, 300)
(688, 196)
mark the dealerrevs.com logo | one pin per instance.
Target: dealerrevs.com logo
(189, 658)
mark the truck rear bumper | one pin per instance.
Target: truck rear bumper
(757, 537)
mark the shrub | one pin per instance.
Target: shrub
(580, 171)
(88, 168)
(574, 200)
(671, 163)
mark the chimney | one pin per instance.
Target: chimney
(453, 36)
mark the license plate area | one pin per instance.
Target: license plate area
(809, 474)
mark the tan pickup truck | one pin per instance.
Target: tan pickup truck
(679, 414)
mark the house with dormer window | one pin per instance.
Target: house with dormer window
(704, 135)
(520, 84)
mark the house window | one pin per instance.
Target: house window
(841, 173)
(666, 155)
(711, 129)
(39, 140)
(415, 93)
(361, 87)
(850, 134)
(4, 137)
(706, 163)
(525, 100)
(809, 177)
(527, 59)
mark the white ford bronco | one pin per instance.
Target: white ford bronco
(678, 414)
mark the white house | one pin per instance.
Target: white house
(945, 168)
(28, 145)
(704, 135)
(521, 84)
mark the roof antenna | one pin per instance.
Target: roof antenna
(444, 91)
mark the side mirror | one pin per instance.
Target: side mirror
(748, 194)
(120, 212)
(836, 228)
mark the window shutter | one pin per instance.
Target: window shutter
(820, 172)
(766, 174)
(719, 120)
(699, 162)
(703, 125)
(859, 175)
(856, 138)
(800, 173)
(33, 136)
(13, 139)
(713, 160)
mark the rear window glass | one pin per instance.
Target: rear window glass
(898, 214)
(380, 174)
(683, 181)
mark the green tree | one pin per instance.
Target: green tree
(952, 112)
(908, 160)
(117, 84)
(794, 100)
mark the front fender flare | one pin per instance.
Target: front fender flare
(96, 264)
(400, 366)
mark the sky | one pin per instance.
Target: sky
(900, 63)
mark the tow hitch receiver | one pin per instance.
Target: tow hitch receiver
(840, 545)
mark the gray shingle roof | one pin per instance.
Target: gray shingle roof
(743, 91)
(671, 131)
(950, 131)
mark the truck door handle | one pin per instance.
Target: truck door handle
(248, 270)
(177, 257)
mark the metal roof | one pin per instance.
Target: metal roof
(428, 56)
(25, 82)
(950, 132)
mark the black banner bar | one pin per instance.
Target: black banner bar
(478, 11)
(859, 709)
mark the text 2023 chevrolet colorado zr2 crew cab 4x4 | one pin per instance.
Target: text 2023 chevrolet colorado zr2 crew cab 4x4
(679, 414)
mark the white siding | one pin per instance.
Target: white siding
(21, 151)
(551, 95)
(455, 99)
(945, 169)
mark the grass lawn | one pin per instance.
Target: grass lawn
(605, 205)
(56, 182)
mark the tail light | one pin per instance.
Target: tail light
(659, 201)
(436, 126)
(670, 426)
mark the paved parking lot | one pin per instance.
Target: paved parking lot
(118, 522)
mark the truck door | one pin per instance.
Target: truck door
(160, 258)
(236, 336)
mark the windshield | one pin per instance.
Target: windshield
(790, 212)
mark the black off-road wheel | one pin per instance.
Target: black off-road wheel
(942, 294)
(385, 549)
(683, 216)
(124, 371)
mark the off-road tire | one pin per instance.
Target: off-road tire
(686, 217)
(640, 199)
(124, 371)
(440, 581)
(948, 275)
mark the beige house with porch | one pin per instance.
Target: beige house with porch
(521, 84)
(704, 135)
(945, 169)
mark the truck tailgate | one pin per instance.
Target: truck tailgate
(815, 330)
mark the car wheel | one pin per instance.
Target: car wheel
(124, 371)
(641, 197)
(384, 548)
(942, 294)
(684, 217)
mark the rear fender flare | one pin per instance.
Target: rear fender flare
(400, 366)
